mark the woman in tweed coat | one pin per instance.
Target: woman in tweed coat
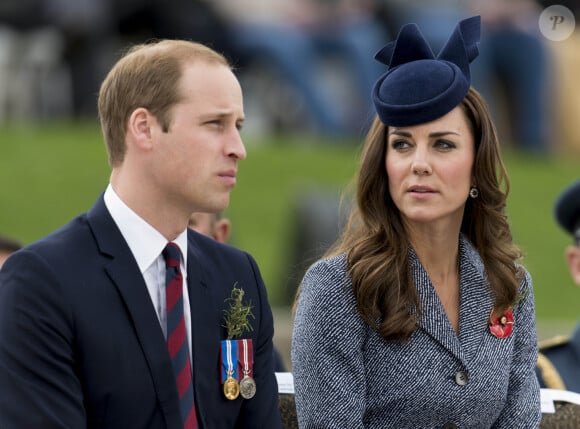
(421, 316)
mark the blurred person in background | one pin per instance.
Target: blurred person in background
(434, 17)
(83, 37)
(213, 225)
(196, 20)
(90, 43)
(89, 34)
(7, 247)
(121, 318)
(559, 358)
(514, 72)
(421, 315)
(297, 39)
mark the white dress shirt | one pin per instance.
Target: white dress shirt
(147, 244)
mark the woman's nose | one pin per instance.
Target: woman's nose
(421, 164)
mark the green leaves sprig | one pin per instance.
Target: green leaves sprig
(236, 317)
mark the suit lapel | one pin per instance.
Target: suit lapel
(205, 330)
(127, 278)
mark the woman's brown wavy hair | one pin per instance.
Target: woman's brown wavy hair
(376, 242)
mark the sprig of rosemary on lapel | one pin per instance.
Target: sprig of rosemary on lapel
(236, 320)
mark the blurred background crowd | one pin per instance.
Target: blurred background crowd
(306, 67)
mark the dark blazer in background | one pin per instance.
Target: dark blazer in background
(560, 366)
(81, 344)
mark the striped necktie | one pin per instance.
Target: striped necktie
(176, 335)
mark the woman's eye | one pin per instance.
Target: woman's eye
(399, 144)
(444, 144)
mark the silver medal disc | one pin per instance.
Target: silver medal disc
(247, 387)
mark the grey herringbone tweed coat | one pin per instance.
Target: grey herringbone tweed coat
(348, 377)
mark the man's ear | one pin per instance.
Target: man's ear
(573, 259)
(221, 230)
(139, 127)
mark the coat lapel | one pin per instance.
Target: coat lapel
(475, 304)
(433, 319)
(476, 300)
(127, 278)
(205, 330)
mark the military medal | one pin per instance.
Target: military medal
(231, 388)
(247, 387)
(229, 376)
(247, 384)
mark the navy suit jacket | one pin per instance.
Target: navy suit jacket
(81, 345)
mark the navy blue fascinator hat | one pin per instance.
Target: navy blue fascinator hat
(419, 87)
(567, 209)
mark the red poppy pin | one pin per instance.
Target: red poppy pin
(501, 326)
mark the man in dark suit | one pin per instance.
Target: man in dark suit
(559, 359)
(121, 318)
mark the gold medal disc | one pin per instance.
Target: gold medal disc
(231, 388)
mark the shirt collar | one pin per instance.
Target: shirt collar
(145, 242)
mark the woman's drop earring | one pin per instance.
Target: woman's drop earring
(474, 192)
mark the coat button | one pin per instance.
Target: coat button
(461, 378)
(450, 425)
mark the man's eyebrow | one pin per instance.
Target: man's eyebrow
(220, 115)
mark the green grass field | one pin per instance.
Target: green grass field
(51, 173)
